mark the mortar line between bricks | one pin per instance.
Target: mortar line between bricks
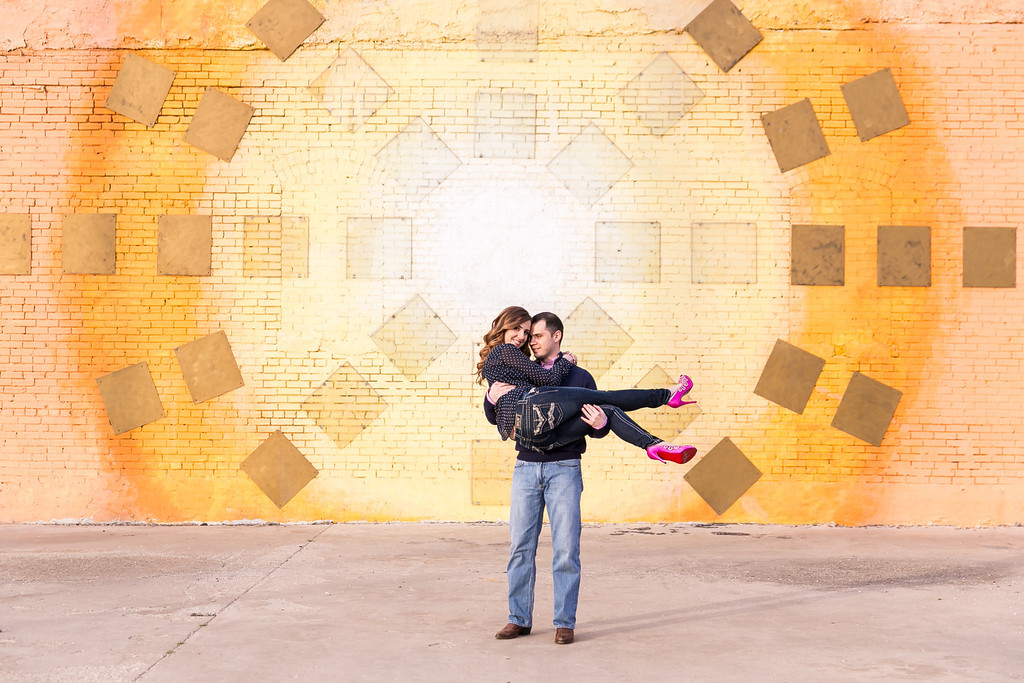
(238, 597)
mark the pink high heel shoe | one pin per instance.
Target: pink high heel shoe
(663, 452)
(682, 389)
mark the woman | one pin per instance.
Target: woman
(538, 412)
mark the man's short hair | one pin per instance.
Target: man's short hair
(551, 321)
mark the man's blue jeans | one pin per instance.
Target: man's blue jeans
(557, 486)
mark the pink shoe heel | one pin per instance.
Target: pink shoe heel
(683, 388)
(663, 452)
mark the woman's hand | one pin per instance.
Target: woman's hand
(497, 390)
(594, 416)
(571, 357)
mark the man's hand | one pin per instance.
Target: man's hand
(497, 390)
(594, 416)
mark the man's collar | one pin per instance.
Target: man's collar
(548, 364)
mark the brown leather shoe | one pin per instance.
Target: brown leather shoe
(512, 631)
(563, 636)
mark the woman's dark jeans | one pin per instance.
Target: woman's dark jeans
(551, 417)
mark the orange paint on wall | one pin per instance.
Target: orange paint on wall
(949, 455)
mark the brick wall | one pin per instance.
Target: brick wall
(367, 230)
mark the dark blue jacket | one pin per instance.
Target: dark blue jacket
(577, 377)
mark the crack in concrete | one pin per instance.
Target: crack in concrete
(238, 597)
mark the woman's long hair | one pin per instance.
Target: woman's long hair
(506, 320)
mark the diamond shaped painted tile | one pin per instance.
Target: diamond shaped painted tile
(219, 124)
(722, 475)
(789, 376)
(723, 31)
(795, 135)
(590, 165)
(597, 339)
(875, 104)
(140, 89)
(130, 397)
(279, 469)
(666, 424)
(867, 409)
(413, 338)
(351, 90)
(344, 405)
(506, 125)
(209, 367)
(661, 94)
(283, 25)
(417, 160)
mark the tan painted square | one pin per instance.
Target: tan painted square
(595, 337)
(130, 398)
(990, 257)
(904, 256)
(507, 30)
(867, 409)
(184, 245)
(294, 246)
(875, 104)
(724, 33)
(795, 135)
(818, 255)
(261, 246)
(723, 253)
(283, 24)
(15, 244)
(279, 469)
(209, 367)
(88, 244)
(378, 248)
(344, 405)
(140, 89)
(505, 125)
(492, 464)
(275, 246)
(218, 124)
(789, 376)
(722, 476)
(413, 338)
(628, 251)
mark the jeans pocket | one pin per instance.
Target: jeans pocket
(545, 417)
(571, 464)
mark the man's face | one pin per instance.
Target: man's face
(543, 344)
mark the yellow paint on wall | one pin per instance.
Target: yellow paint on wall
(499, 231)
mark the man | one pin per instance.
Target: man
(552, 480)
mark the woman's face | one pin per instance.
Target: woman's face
(519, 335)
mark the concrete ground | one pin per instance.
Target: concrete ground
(421, 602)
